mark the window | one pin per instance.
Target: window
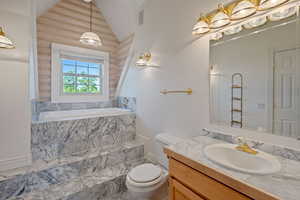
(78, 74)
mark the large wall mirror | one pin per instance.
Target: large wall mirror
(255, 78)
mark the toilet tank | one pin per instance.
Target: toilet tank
(162, 140)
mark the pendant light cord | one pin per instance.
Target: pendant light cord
(91, 15)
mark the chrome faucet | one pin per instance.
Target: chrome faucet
(244, 147)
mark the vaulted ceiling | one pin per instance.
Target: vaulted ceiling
(121, 15)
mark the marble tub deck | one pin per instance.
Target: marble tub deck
(284, 184)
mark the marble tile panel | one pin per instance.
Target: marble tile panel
(52, 140)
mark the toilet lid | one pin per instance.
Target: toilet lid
(145, 173)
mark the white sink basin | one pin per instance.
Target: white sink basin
(227, 156)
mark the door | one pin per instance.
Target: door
(286, 93)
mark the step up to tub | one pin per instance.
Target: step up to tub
(93, 170)
(92, 186)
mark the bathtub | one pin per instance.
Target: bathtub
(81, 114)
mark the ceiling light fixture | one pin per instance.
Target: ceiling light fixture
(201, 26)
(90, 38)
(242, 9)
(219, 19)
(268, 4)
(5, 42)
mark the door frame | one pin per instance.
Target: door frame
(271, 81)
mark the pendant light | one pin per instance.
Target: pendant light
(201, 26)
(220, 18)
(268, 4)
(90, 38)
(243, 9)
(5, 42)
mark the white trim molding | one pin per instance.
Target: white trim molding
(56, 94)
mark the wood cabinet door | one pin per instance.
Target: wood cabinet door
(180, 192)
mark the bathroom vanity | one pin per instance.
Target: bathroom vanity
(194, 177)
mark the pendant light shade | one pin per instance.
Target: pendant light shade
(91, 38)
(5, 42)
(201, 26)
(268, 4)
(283, 13)
(219, 19)
(243, 9)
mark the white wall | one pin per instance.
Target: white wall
(14, 72)
(184, 62)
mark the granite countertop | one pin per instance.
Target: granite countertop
(284, 184)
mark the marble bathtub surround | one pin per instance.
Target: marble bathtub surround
(285, 184)
(46, 106)
(59, 139)
(277, 150)
(127, 103)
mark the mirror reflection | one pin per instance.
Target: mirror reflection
(255, 78)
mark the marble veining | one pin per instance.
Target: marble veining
(42, 175)
(285, 152)
(58, 139)
(285, 184)
(127, 103)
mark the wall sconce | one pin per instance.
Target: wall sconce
(144, 60)
(5, 42)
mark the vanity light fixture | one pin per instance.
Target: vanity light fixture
(220, 18)
(242, 9)
(5, 42)
(234, 16)
(256, 22)
(283, 13)
(233, 30)
(90, 38)
(201, 27)
(143, 60)
(216, 36)
(268, 4)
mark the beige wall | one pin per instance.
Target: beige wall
(123, 51)
(64, 23)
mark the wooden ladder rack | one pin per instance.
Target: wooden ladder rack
(237, 77)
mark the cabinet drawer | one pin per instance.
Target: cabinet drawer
(202, 184)
(180, 192)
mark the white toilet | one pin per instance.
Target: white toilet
(149, 181)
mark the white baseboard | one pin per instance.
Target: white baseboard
(16, 162)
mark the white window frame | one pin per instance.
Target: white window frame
(57, 95)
